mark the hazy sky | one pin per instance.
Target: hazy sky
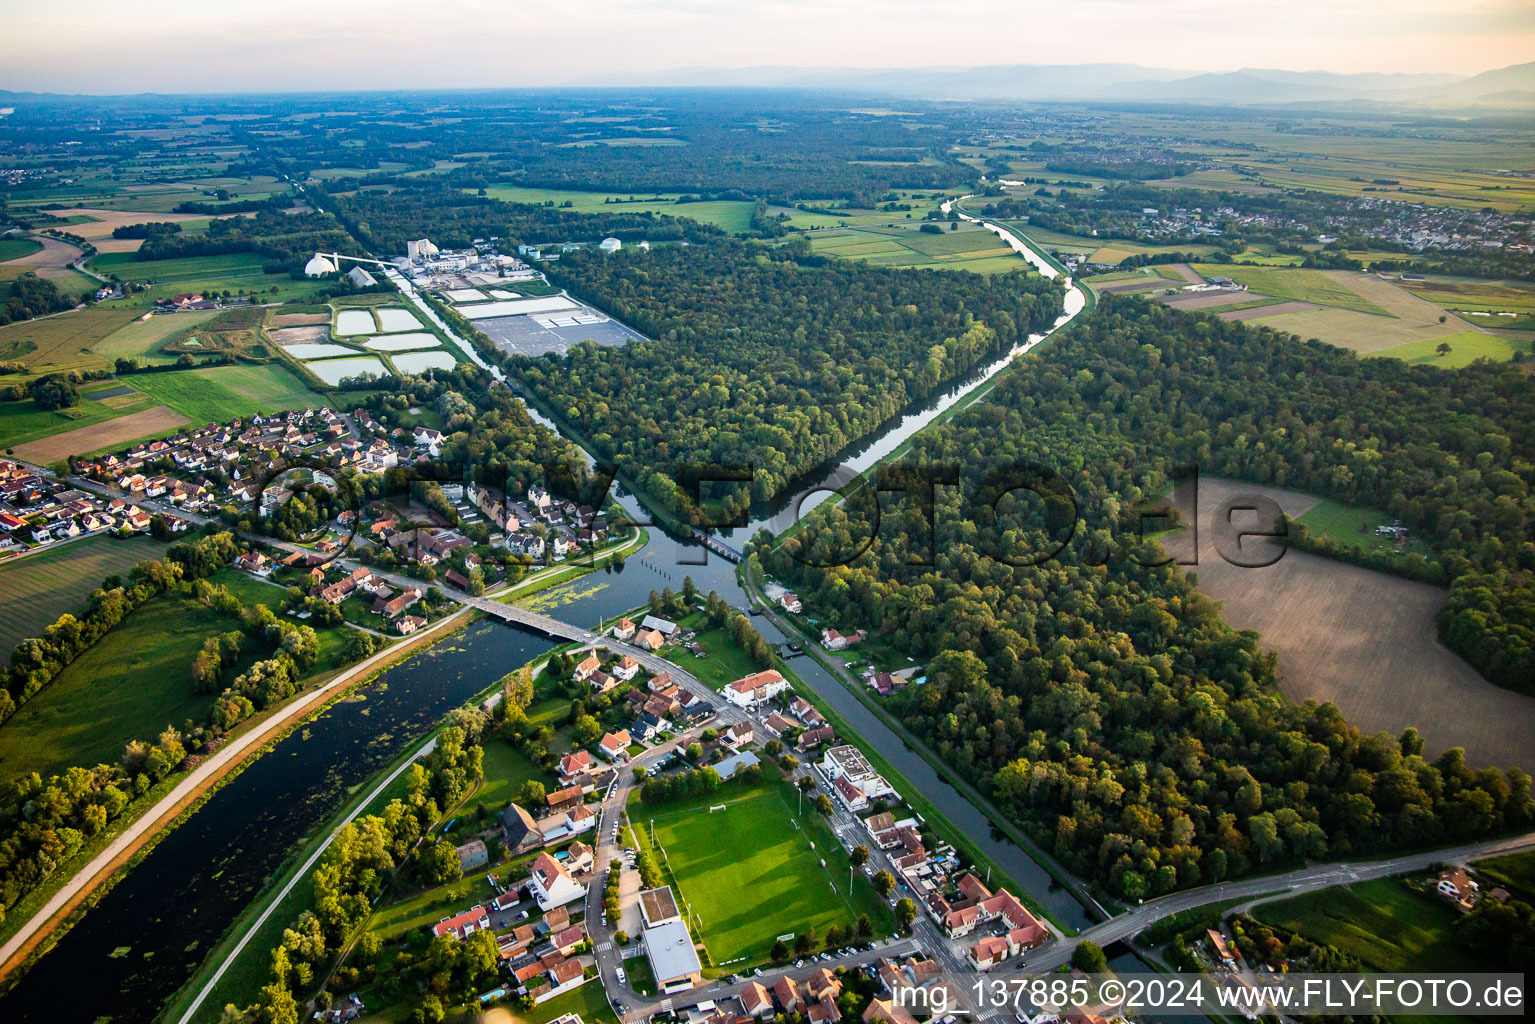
(240, 46)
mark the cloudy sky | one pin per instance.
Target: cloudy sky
(278, 45)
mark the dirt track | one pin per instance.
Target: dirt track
(1364, 640)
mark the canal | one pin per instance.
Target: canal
(142, 942)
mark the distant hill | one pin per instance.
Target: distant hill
(1511, 86)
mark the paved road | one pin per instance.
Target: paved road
(198, 779)
(1292, 883)
(302, 872)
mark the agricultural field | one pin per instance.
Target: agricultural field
(219, 393)
(1388, 926)
(1318, 286)
(64, 342)
(236, 273)
(50, 260)
(1364, 640)
(971, 248)
(96, 225)
(22, 422)
(731, 866)
(104, 435)
(1465, 348)
(734, 217)
(15, 248)
(145, 340)
(42, 586)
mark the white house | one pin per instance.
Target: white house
(552, 885)
(626, 669)
(852, 778)
(755, 688)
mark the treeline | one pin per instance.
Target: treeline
(158, 227)
(30, 296)
(43, 823)
(36, 661)
(767, 358)
(1105, 704)
(281, 237)
(355, 872)
(277, 202)
(453, 219)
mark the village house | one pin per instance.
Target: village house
(624, 630)
(615, 745)
(472, 854)
(551, 885)
(835, 641)
(461, 926)
(626, 669)
(589, 664)
(790, 604)
(575, 764)
(755, 688)
(650, 639)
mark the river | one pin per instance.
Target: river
(142, 942)
(146, 937)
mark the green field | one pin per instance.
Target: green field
(1285, 283)
(1465, 348)
(41, 587)
(220, 393)
(15, 248)
(734, 217)
(1342, 523)
(1383, 923)
(748, 872)
(238, 273)
(134, 682)
(971, 248)
(143, 339)
(1516, 872)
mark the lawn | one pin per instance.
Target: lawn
(15, 248)
(1285, 283)
(221, 393)
(134, 682)
(589, 1002)
(41, 587)
(749, 872)
(1353, 527)
(734, 217)
(506, 769)
(1386, 925)
(725, 664)
(1465, 348)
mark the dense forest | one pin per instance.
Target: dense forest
(454, 219)
(765, 357)
(1104, 702)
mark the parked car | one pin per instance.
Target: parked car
(622, 978)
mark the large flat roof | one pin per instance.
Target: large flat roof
(671, 952)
